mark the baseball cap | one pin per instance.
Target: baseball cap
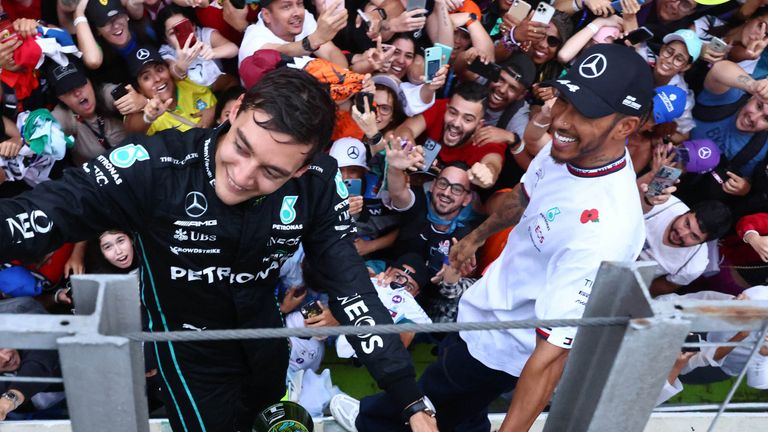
(258, 64)
(284, 416)
(99, 12)
(388, 80)
(65, 78)
(417, 263)
(668, 104)
(349, 152)
(758, 292)
(689, 38)
(703, 155)
(141, 57)
(521, 67)
(607, 79)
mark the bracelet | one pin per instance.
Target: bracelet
(520, 147)
(593, 27)
(540, 125)
(146, 119)
(80, 20)
(374, 139)
(181, 75)
(575, 6)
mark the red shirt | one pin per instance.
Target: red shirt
(15, 11)
(213, 17)
(467, 152)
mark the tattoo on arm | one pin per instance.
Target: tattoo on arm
(508, 213)
(745, 80)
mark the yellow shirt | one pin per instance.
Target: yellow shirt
(190, 99)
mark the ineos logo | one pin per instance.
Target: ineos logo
(593, 66)
(705, 152)
(353, 152)
(142, 54)
(195, 204)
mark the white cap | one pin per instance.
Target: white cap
(759, 292)
(349, 152)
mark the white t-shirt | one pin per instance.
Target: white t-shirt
(257, 35)
(682, 265)
(202, 72)
(575, 220)
(402, 307)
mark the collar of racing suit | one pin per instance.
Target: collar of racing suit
(209, 151)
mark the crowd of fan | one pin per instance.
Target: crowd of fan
(440, 111)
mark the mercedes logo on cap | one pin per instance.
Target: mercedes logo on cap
(593, 66)
(353, 152)
(195, 204)
(705, 152)
(142, 54)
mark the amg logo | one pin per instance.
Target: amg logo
(196, 223)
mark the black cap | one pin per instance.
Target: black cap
(142, 57)
(65, 78)
(607, 79)
(99, 12)
(417, 263)
(521, 67)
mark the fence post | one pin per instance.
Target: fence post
(617, 389)
(104, 373)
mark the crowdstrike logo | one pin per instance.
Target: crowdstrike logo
(195, 204)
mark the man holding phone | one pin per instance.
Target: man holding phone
(286, 26)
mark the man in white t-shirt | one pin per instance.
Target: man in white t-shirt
(574, 208)
(287, 27)
(676, 238)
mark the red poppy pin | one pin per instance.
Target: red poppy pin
(591, 215)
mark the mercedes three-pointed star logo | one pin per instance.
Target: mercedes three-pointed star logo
(705, 152)
(195, 204)
(353, 152)
(142, 54)
(593, 66)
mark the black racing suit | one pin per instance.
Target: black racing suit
(207, 265)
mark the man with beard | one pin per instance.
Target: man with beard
(452, 123)
(286, 26)
(676, 239)
(576, 199)
(431, 219)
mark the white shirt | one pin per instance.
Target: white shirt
(257, 35)
(402, 307)
(575, 220)
(681, 265)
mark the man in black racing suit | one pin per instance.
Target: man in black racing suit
(215, 213)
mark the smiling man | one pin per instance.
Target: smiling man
(214, 214)
(575, 200)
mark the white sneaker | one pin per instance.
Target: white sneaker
(344, 410)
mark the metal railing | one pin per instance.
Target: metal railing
(624, 337)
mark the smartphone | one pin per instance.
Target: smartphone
(717, 45)
(433, 59)
(366, 20)
(362, 99)
(518, 11)
(416, 4)
(663, 179)
(354, 186)
(311, 310)
(636, 36)
(446, 52)
(543, 14)
(431, 150)
(328, 4)
(119, 91)
(182, 30)
(616, 5)
(490, 71)
(692, 338)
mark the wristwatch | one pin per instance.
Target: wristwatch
(472, 18)
(422, 404)
(382, 13)
(13, 397)
(307, 46)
